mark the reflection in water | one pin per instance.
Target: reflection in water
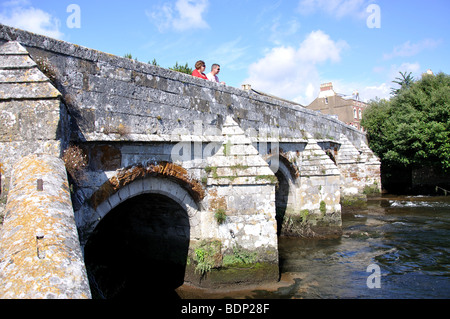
(407, 237)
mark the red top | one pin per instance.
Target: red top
(197, 74)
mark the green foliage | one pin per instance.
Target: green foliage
(270, 178)
(323, 207)
(182, 68)
(220, 215)
(177, 67)
(153, 62)
(240, 256)
(404, 82)
(130, 56)
(208, 255)
(413, 128)
(371, 189)
(304, 213)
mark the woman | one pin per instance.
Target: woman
(200, 67)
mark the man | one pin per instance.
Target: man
(212, 76)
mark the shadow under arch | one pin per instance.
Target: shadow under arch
(138, 242)
(287, 175)
(139, 249)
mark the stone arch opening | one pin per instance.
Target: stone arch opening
(136, 241)
(139, 249)
(281, 199)
(286, 175)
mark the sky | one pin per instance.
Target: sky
(286, 48)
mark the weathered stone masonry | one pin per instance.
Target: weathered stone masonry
(40, 255)
(268, 165)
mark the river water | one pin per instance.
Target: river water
(406, 239)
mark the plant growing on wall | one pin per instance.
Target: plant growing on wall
(239, 256)
(323, 207)
(220, 216)
(76, 162)
(207, 256)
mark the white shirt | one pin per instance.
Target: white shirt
(212, 77)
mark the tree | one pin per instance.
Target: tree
(177, 67)
(182, 68)
(129, 56)
(153, 62)
(405, 82)
(413, 128)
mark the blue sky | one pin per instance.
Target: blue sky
(282, 47)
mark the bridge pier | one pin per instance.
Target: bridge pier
(40, 255)
(360, 172)
(239, 227)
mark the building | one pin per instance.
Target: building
(348, 109)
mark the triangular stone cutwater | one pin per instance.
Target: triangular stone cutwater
(315, 161)
(20, 77)
(348, 153)
(237, 161)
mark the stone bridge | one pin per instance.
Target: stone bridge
(178, 175)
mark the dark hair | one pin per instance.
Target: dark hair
(199, 64)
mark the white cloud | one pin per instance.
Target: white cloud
(336, 8)
(381, 91)
(230, 55)
(180, 16)
(292, 73)
(408, 49)
(20, 14)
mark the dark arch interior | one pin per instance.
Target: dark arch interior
(281, 199)
(139, 250)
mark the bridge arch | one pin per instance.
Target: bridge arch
(151, 185)
(163, 178)
(139, 243)
(285, 193)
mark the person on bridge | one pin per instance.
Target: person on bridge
(212, 76)
(200, 67)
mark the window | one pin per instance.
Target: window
(360, 114)
(326, 100)
(355, 115)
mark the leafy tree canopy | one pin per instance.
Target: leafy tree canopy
(412, 129)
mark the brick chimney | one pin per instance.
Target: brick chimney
(326, 87)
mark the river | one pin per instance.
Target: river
(406, 239)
